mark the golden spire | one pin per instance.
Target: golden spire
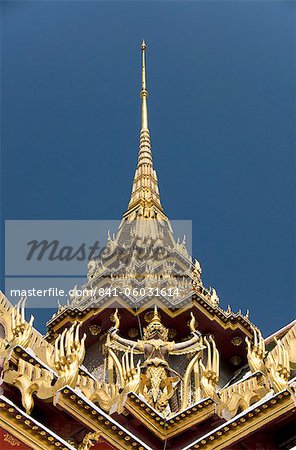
(145, 201)
(145, 156)
(144, 92)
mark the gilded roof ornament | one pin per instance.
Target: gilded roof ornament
(145, 200)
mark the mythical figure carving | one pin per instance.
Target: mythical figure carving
(153, 378)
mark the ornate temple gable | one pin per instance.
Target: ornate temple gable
(26, 372)
(229, 334)
(177, 272)
(226, 320)
(148, 389)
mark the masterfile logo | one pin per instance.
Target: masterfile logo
(61, 261)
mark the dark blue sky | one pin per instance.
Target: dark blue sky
(221, 77)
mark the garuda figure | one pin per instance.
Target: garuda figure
(154, 378)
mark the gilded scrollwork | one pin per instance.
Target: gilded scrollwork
(274, 364)
(68, 355)
(289, 343)
(65, 359)
(242, 395)
(89, 440)
(20, 330)
(256, 351)
(139, 366)
(29, 379)
(278, 366)
(131, 374)
(210, 373)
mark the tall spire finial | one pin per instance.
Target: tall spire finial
(145, 201)
(144, 92)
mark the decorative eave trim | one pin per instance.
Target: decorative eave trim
(214, 313)
(28, 430)
(94, 418)
(166, 428)
(279, 333)
(246, 377)
(29, 356)
(257, 416)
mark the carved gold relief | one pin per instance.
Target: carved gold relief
(69, 354)
(95, 330)
(256, 351)
(289, 343)
(29, 379)
(236, 340)
(66, 358)
(243, 394)
(20, 329)
(236, 360)
(133, 332)
(278, 367)
(210, 372)
(89, 441)
(153, 378)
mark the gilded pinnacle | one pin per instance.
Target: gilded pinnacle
(144, 92)
(145, 201)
